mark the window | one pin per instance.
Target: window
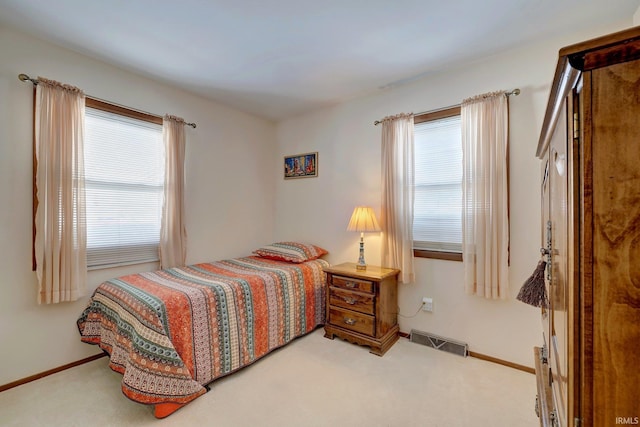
(124, 180)
(437, 217)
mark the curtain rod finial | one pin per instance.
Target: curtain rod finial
(25, 78)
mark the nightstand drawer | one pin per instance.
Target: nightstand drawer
(352, 320)
(351, 300)
(353, 284)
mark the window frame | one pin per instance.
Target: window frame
(428, 117)
(120, 110)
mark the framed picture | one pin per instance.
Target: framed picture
(301, 166)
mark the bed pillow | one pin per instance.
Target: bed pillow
(291, 252)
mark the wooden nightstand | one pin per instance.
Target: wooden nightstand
(362, 305)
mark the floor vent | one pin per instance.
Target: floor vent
(439, 343)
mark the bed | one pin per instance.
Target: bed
(172, 332)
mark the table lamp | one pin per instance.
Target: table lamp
(363, 219)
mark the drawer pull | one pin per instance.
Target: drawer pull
(349, 321)
(351, 285)
(350, 301)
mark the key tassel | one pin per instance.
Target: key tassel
(533, 291)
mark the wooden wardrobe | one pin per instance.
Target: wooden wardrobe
(588, 369)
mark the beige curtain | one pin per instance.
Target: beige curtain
(173, 234)
(397, 194)
(485, 220)
(61, 233)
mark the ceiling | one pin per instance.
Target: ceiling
(277, 58)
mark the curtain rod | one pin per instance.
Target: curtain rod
(515, 92)
(26, 78)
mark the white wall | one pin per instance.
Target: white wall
(230, 159)
(318, 209)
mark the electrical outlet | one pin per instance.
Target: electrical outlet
(427, 304)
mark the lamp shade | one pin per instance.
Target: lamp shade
(363, 219)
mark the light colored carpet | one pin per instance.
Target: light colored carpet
(311, 382)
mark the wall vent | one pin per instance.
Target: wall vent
(439, 343)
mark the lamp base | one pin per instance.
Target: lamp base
(361, 265)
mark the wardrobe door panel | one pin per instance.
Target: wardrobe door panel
(616, 241)
(557, 286)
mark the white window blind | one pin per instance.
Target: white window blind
(124, 167)
(437, 220)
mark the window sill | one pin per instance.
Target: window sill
(122, 264)
(447, 256)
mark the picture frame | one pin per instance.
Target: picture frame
(301, 166)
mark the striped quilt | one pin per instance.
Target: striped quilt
(171, 332)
